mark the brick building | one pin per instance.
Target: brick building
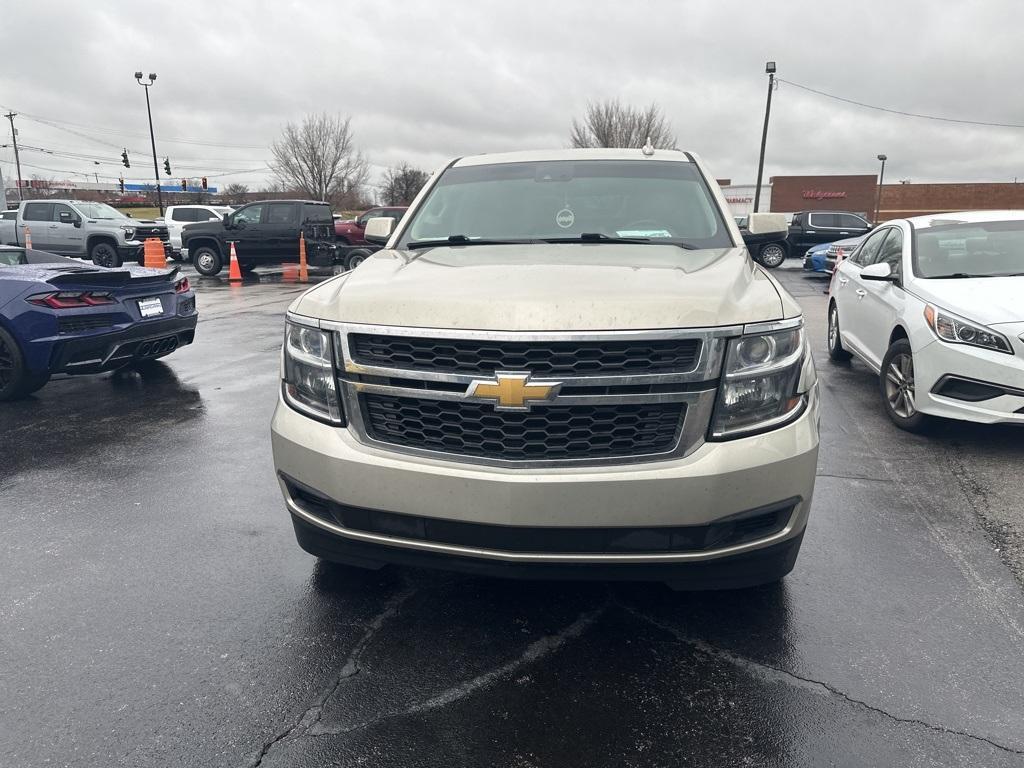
(903, 200)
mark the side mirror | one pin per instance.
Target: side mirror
(379, 229)
(880, 272)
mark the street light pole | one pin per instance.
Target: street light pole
(878, 196)
(152, 141)
(769, 68)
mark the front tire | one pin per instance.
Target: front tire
(104, 254)
(207, 260)
(836, 351)
(772, 255)
(16, 380)
(356, 258)
(898, 388)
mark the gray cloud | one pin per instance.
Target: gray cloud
(427, 81)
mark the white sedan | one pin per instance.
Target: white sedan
(934, 305)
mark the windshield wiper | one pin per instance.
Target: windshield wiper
(462, 240)
(959, 275)
(600, 237)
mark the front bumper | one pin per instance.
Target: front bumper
(936, 363)
(705, 489)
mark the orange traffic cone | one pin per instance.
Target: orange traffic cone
(153, 254)
(28, 238)
(234, 272)
(303, 269)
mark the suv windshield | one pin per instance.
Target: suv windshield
(649, 200)
(98, 210)
(975, 249)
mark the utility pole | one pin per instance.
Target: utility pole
(878, 196)
(17, 160)
(152, 141)
(769, 68)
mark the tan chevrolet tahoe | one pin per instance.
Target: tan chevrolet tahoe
(563, 364)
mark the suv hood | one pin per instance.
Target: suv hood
(986, 300)
(556, 287)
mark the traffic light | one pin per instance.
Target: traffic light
(204, 182)
(120, 183)
(167, 166)
(124, 159)
(184, 185)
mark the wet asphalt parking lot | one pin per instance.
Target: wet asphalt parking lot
(156, 611)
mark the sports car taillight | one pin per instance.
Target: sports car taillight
(70, 299)
(181, 286)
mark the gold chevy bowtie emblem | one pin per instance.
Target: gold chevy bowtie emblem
(512, 391)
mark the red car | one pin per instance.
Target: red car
(351, 231)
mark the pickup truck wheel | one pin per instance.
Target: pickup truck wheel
(356, 258)
(206, 260)
(103, 254)
(836, 351)
(771, 255)
(15, 379)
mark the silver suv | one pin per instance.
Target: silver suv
(563, 364)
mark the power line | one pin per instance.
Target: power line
(899, 111)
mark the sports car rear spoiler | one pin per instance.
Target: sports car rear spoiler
(109, 278)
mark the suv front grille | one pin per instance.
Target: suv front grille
(541, 358)
(555, 432)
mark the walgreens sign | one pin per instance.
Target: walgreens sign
(820, 194)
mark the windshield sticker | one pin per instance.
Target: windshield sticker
(565, 218)
(643, 233)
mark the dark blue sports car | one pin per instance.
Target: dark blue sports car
(60, 315)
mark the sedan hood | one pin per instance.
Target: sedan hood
(986, 300)
(557, 287)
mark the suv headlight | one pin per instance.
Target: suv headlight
(761, 380)
(309, 385)
(958, 331)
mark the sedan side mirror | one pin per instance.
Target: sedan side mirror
(379, 229)
(880, 272)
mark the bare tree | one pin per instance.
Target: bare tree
(235, 193)
(402, 183)
(319, 157)
(613, 124)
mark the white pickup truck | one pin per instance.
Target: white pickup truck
(83, 229)
(563, 364)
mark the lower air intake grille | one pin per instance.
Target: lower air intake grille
(85, 323)
(555, 432)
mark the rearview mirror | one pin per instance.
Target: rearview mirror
(379, 229)
(880, 272)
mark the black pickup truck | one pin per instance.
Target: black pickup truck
(806, 230)
(266, 232)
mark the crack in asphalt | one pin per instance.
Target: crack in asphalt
(855, 477)
(536, 650)
(772, 673)
(311, 716)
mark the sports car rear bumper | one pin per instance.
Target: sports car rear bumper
(106, 351)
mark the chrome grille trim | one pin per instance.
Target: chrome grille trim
(698, 387)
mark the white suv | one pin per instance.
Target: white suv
(933, 304)
(178, 216)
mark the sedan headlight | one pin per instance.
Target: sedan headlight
(760, 383)
(309, 385)
(956, 330)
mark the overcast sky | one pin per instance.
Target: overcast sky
(425, 81)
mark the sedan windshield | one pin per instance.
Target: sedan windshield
(593, 201)
(98, 210)
(970, 249)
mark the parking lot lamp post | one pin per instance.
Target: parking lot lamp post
(152, 141)
(878, 196)
(769, 68)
